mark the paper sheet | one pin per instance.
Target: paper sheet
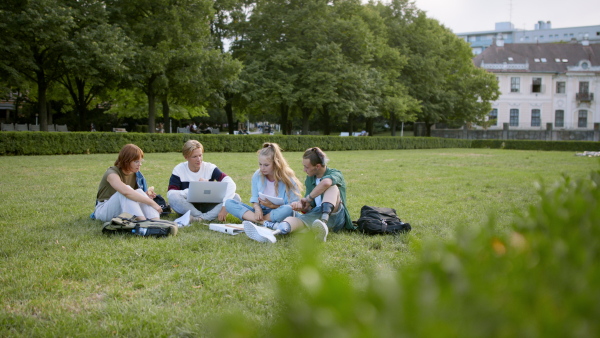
(184, 220)
(273, 199)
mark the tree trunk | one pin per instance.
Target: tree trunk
(326, 121)
(284, 112)
(428, 129)
(229, 112)
(151, 106)
(166, 113)
(42, 108)
(305, 118)
(350, 124)
(369, 126)
(17, 104)
(49, 112)
(393, 123)
(81, 104)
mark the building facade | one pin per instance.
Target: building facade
(542, 84)
(542, 33)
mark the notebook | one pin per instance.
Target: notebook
(272, 199)
(206, 192)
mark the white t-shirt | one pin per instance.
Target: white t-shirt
(270, 188)
(182, 176)
(318, 199)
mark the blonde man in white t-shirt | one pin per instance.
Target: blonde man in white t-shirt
(195, 169)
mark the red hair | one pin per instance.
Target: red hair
(129, 153)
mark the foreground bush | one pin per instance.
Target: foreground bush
(538, 279)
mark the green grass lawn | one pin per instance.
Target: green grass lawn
(61, 277)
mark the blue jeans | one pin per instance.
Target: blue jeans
(238, 209)
(206, 211)
(336, 221)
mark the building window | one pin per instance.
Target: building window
(515, 84)
(536, 85)
(535, 118)
(582, 120)
(561, 87)
(559, 118)
(584, 87)
(493, 117)
(514, 117)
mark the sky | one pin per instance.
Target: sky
(463, 16)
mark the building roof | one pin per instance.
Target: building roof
(539, 57)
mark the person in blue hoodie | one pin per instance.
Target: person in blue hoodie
(123, 188)
(274, 188)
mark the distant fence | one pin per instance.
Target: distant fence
(506, 134)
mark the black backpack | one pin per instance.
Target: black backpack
(126, 223)
(376, 220)
(166, 208)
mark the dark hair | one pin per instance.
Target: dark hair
(316, 156)
(129, 153)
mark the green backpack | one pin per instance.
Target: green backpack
(126, 223)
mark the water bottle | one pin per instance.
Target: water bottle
(139, 231)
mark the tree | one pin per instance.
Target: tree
(311, 56)
(396, 103)
(163, 32)
(228, 29)
(269, 83)
(440, 73)
(35, 37)
(94, 64)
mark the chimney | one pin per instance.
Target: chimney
(585, 41)
(499, 40)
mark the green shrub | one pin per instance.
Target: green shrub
(41, 143)
(537, 145)
(36, 143)
(540, 278)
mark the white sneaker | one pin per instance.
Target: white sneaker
(319, 230)
(195, 219)
(259, 234)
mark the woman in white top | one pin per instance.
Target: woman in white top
(273, 178)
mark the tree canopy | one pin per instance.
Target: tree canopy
(324, 63)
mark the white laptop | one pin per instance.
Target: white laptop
(207, 192)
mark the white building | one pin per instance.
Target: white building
(544, 83)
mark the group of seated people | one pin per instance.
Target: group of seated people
(322, 207)
(193, 128)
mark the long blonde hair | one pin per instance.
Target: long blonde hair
(281, 170)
